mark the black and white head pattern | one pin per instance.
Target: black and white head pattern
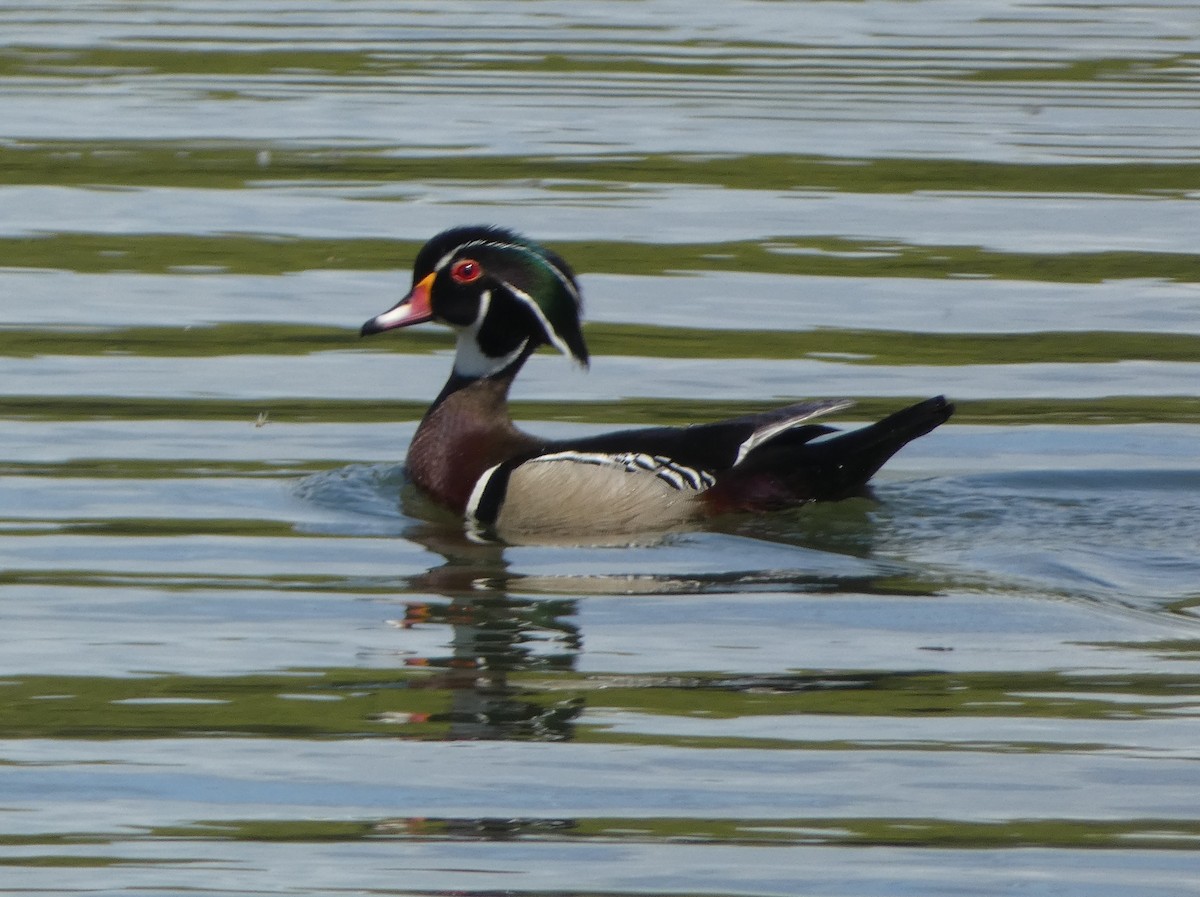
(503, 293)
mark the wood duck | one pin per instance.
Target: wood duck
(504, 296)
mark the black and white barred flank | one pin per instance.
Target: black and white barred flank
(677, 476)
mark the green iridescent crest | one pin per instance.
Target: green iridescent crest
(541, 281)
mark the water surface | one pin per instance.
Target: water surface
(241, 656)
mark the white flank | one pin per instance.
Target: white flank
(563, 498)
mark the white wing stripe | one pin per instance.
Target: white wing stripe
(770, 431)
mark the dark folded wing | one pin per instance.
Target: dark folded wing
(717, 446)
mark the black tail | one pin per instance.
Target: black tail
(840, 466)
(791, 469)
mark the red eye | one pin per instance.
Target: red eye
(466, 271)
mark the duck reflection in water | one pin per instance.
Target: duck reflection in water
(510, 665)
(493, 636)
(505, 296)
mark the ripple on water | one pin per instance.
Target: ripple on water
(241, 655)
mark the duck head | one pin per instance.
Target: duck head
(503, 295)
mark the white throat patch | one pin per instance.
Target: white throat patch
(469, 359)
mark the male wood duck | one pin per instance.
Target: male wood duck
(504, 296)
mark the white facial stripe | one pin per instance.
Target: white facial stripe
(494, 244)
(537, 311)
(469, 360)
(485, 302)
(561, 275)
